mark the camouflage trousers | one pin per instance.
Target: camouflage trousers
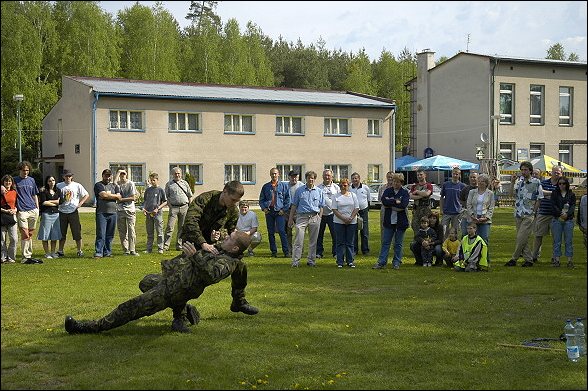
(417, 213)
(182, 279)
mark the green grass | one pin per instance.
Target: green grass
(318, 328)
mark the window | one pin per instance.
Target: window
(536, 109)
(336, 126)
(194, 169)
(183, 122)
(374, 126)
(506, 103)
(286, 168)
(245, 173)
(536, 150)
(565, 154)
(126, 120)
(288, 125)
(374, 173)
(507, 150)
(565, 105)
(237, 123)
(134, 170)
(60, 131)
(339, 171)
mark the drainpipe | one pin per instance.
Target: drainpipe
(393, 140)
(94, 148)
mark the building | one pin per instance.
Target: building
(476, 106)
(216, 133)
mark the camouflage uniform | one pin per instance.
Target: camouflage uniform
(205, 214)
(421, 208)
(181, 279)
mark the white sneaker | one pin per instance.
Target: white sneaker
(49, 256)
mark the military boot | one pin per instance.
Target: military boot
(72, 326)
(243, 306)
(179, 325)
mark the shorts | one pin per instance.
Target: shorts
(541, 224)
(72, 219)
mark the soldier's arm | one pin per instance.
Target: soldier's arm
(191, 230)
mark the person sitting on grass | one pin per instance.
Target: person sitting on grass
(425, 238)
(183, 278)
(473, 252)
(451, 247)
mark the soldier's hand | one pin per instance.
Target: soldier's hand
(188, 248)
(209, 248)
(215, 235)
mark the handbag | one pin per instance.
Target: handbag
(359, 223)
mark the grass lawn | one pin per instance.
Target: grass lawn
(318, 328)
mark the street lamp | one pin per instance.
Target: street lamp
(19, 98)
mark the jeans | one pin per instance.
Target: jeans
(326, 220)
(416, 249)
(388, 234)
(483, 231)
(105, 227)
(345, 234)
(364, 233)
(565, 228)
(276, 222)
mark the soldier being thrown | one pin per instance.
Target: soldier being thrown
(183, 278)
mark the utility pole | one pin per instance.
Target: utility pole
(468, 44)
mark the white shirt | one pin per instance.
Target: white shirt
(345, 204)
(71, 194)
(247, 221)
(363, 195)
(329, 191)
(293, 188)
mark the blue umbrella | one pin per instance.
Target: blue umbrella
(406, 159)
(438, 162)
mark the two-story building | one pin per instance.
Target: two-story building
(216, 133)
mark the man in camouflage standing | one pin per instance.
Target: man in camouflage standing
(183, 278)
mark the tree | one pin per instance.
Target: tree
(556, 52)
(257, 56)
(359, 75)
(201, 54)
(236, 69)
(201, 11)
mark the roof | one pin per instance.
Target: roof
(206, 92)
(542, 61)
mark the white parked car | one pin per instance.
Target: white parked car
(375, 202)
(433, 200)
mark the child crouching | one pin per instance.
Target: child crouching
(473, 252)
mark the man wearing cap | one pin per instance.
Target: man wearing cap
(73, 196)
(179, 195)
(107, 194)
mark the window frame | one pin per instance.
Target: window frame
(186, 115)
(129, 114)
(569, 151)
(185, 169)
(513, 150)
(128, 167)
(240, 120)
(536, 119)
(507, 118)
(566, 120)
(536, 151)
(336, 169)
(370, 177)
(371, 132)
(240, 178)
(290, 119)
(339, 120)
(291, 166)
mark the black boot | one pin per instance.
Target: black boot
(192, 314)
(72, 326)
(243, 306)
(179, 325)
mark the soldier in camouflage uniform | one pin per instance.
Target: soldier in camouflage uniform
(183, 278)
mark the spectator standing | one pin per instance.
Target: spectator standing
(581, 220)
(362, 192)
(179, 195)
(544, 214)
(449, 202)
(527, 192)
(306, 210)
(420, 192)
(126, 213)
(480, 209)
(383, 187)
(395, 199)
(564, 205)
(154, 200)
(274, 201)
(107, 195)
(329, 188)
(293, 185)
(345, 208)
(27, 204)
(496, 189)
(248, 223)
(463, 200)
(10, 229)
(73, 197)
(537, 174)
(49, 228)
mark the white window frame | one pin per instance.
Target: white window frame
(566, 94)
(375, 173)
(338, 169)
(505, 91)
(332, 126)
(286, 168)
(128, 125)
(236, 123)
(285, 125)
(374, 127)
(536, 150)
(242, 172)
(536, 105)
(195, 169)
(135, 171)
(185, 118)
(566, 149)
(508, 147)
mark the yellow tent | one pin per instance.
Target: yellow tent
(545, 163)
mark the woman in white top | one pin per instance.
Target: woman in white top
(345, 207)
(480, 207)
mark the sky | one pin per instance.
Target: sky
(508, 28)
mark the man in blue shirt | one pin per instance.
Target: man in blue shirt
(274, 201)
(307, 206)
(449, 202)
(27, 205)
(544, 213)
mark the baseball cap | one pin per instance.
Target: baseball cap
(67, 173)
(107, 172)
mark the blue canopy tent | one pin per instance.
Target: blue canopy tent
(438, 163)
(406, 159)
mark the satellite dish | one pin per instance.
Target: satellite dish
(484, 138)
